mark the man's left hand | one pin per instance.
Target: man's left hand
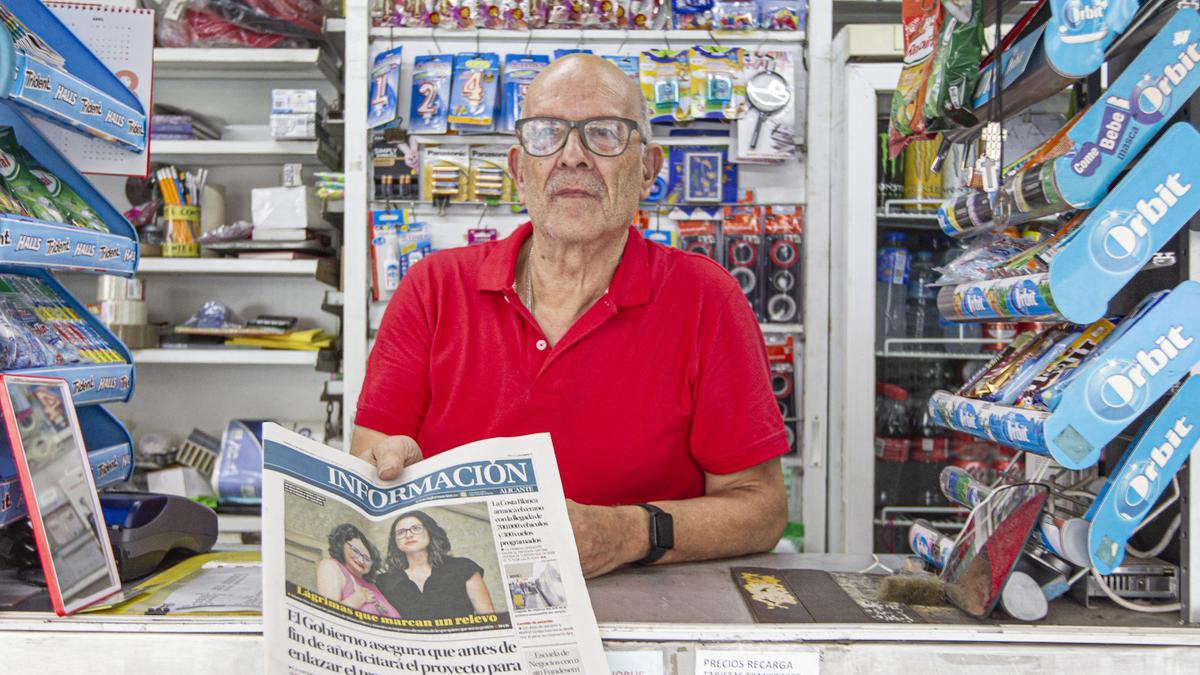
(608, 536)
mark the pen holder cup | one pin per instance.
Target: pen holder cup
(181, 238)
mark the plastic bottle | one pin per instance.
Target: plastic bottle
(891, 281)
(930, 450)
(946, 250)
(923, 315)
(893, 439)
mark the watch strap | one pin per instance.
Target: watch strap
(662, 534)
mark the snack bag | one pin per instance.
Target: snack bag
(781, 14)
(68, 201)
(692, 14)
(954, 72)
(922, 22)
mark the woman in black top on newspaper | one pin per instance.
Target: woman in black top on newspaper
(423, 581)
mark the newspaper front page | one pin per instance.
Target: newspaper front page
(465, 564)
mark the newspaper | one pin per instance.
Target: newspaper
(465, 564)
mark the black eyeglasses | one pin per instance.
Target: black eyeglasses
(604, 136)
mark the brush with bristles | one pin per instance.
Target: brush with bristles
(923, 589)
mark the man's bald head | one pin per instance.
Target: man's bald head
(579, 75)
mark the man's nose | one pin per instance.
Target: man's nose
(574, 155)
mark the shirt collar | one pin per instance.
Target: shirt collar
(630, 284)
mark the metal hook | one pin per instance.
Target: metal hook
(433, 37)
(477, 42)
(714, 39)
(624, 40)
(482, 213)
(528, 41)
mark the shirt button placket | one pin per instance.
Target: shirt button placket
(541, 345)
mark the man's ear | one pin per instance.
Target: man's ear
(514, 165)
(652, 162)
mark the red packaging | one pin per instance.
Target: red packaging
(1002, 332)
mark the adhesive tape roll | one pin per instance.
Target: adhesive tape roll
(119, 288)
(123, 313)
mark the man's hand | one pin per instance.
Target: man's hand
(608, 536)
(388, 454)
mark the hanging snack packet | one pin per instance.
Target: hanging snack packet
(647, 14)
(514, 14)
(718, 85)
(781, 14)
(692, 14)
(599, 14)
(476, 81)
(490, 181)
(666, 83)
(384, 98)
(460, 14)
(954, 72)
(430, 93)
(921, 21)
(519, 71)
(563, 13)
(489, 14)
(22, 184)
(735, 14)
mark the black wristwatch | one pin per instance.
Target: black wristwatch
(662, 534)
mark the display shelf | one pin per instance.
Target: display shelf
(109, 449)
(334, 302)
(1132, 370)
(246, 64)
(242, 152)
(785, 328)
(509, 139)
(82, 95)
(947, 356)
(30, 242)
(322, 269)
(334, 389)
(633, 38)
(226, 357)
(90, 383)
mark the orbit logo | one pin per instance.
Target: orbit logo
(967, 417)
(1142, 481)
(1119, 389)
(1079, 14)
(1121, 241)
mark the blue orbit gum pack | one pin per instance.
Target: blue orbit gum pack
(476, 82)
(519, 71)
(430, 94)
(384, 98)
(1079, 31)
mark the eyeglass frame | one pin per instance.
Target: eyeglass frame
(405, 531)
(364, 556)
(577, 125)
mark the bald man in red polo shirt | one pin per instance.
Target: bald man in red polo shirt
(643, 362)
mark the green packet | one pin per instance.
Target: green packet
(68, 201)
(955, 71)
(22, 184)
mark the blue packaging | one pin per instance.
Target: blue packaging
(628, 65)
(384, 99)
(519, 71)
(237, 478)
(431, 94)
(1116, 128)
(559, 53)
(1150, 204)
(474, 90)
(1141, 477)
(1080, 31)
(678, 160)
(1136, 369)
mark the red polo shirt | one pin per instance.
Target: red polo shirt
(665, 378)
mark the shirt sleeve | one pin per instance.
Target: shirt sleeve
(736, 422)
(464, 568)
(396, 390)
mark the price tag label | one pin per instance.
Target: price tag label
(791, 662)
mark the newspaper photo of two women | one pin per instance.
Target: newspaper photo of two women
(464, 564)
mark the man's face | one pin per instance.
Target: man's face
(575, 195)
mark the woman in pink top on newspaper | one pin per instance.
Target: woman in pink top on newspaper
(346, 575)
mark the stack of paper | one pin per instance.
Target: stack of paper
(305, 340)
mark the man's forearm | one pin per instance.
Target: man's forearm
(734, 522)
